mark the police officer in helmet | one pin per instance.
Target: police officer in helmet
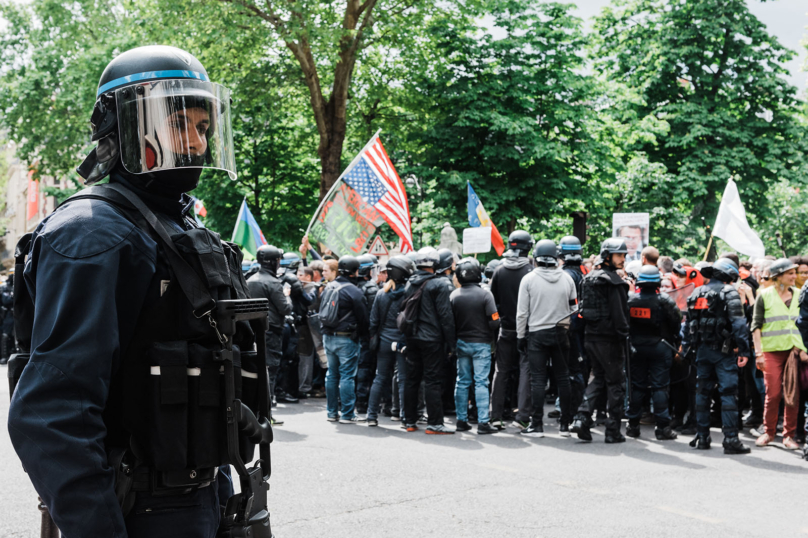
(570, 252)
(716, 326)
(368, 269)
(107, 387)
(655, 326)
(605, 311)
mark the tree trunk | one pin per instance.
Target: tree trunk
(330, 153)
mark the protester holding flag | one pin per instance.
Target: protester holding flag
(247, 234)
(478, 216)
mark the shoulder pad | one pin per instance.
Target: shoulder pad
(87, 227)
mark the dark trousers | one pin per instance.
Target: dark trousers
(542, 347)
(364, 376)
(195, 515)
(607, 358)
(385, 365)
(650, 367)
(712, 365)
(289, 370)
(448, 383)
(424, 360)
(508, 362)
(274, 354)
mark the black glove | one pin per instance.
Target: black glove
(521, 345)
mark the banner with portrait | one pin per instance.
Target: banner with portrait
(633, 228)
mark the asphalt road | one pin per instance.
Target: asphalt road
(336, 480)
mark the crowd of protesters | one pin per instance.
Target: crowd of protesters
(682, 346)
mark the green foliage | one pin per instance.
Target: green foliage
(713, 74)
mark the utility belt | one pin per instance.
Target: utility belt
(172, 482)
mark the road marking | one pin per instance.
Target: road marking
(691, 515)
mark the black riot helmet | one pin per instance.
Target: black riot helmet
(290, 261)
(546, 253)
(159, 120)
(490, 267)
(613, 245)
(520, 242)
(569, 250)
(268, 257)
(469, 271)
(427, 257)
(366, 264)
(725, 270)
(447, 260)
(399, 269)
(649, 277)
(348, 265)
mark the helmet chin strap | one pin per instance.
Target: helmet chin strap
(168, 183)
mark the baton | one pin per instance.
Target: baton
(668, 344)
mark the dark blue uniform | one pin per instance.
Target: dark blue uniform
(91, 272)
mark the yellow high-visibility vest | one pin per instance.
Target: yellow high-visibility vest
(779, 331)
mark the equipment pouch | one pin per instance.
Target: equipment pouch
(168, 402)
(203, 251)
(205, 424)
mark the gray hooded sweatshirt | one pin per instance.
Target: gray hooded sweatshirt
(546, 295)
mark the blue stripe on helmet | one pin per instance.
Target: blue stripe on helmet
(151, 75)
(648, 278)
(570, 247)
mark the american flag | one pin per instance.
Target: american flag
(373, 176)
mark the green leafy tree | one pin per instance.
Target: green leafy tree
(508, 114)
(714, 75)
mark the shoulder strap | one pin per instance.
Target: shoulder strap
(192, 286)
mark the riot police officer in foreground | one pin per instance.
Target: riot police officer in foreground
(265, 283)
(716, 325)
(117, 414)
(605, 312)
(570, 252)
(655, 326)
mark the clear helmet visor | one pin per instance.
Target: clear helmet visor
(176, 123)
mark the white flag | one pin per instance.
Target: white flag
(732, 227)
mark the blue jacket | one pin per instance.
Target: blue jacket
(90, 272)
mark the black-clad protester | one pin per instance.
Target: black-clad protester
(431, 340)
(655, 327)
(112, 319)
(366, 282)
(604, 308)
(716, 327)
(344, 318)
(445, 270)
(476, 323)
(385, 338)
(570, 252)
(7, 306)
(266, 284)
(505, 288)
(547, 298)
(289, 373)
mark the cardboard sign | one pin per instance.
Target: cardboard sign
(477, 240)
(377, 248)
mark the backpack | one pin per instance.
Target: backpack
(408, 316)
(329, 305)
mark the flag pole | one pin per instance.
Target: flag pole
(244, 201)
(334, 186)
(709, 246)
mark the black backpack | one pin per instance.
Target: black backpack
(407, 318)
(329, 305)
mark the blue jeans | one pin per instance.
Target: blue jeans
(340, 380)
(473, 360)
(712, 364)
(386, 360)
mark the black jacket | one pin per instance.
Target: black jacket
(505, 287)
(435, 317)
(613, 290)
(265, 285)
(387, 305)
(352, 308)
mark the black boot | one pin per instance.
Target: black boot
(462, 426)
(580, 426)
(633, 429)
(665, 434)
(733, 445)
(615, 437)
(701, 442)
